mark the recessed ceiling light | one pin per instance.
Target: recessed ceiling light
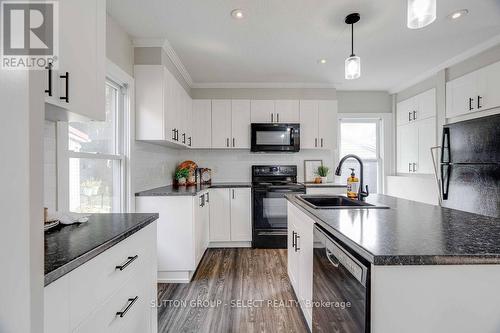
(322, 61)
(237, 14)
(459, 13)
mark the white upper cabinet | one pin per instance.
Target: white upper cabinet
(419, 107)
(78, 85)
(318, 124)
(163, 109)
(202, 123)
(286, 111)
(262, 111)
(221, 123)
(416, 133)
(475, 91)
(327, 124)
(309, 120)
(240, 123)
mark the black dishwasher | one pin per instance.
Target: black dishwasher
(340, 287)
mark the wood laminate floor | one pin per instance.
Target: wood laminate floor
(234, 290)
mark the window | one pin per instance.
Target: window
(96, 159)
(361, 137)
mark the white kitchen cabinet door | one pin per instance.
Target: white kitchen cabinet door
(262, 111)
(426, 140)
(293, 259)
(407, 147)
(56, 306)
(221, 123)
(206, 221)
(309, 123)
(426, 105)
(199, 220)
(220, 214)
(404, 111)
(202, 123)
(82, 54)
(490, 96)
(305, 243)
(240, 123)
(241, 214)
(286, 111)
(327, 126)
(461, 95)
(149, 102)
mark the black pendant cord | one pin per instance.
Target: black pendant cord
(352, 40)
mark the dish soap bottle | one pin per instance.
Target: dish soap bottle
(352, 185)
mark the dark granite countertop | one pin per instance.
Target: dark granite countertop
(324, 185)
(68, 247)
(411, 233)
(171, 190)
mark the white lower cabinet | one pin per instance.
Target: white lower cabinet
(230, 215)
(89, 298)
(182, 233)
(300, 258)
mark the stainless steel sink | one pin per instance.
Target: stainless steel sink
(334, 202)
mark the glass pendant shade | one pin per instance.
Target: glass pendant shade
(421, 13)
(352, 67)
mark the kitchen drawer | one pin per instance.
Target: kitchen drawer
(136, 319)
(94, 282)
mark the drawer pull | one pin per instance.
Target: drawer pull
(131, 302)
(129, 261)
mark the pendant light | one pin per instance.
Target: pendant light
(353, 63)
(421, 13)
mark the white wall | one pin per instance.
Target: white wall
(235, 165)
(21, 197)
(119, 46)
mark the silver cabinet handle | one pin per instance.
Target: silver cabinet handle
(131, 302)
(207, 197)
(414, 115)
(227, 142)
(128, 262)
(297, 237)
(470, 104)
(234, 142)
(414, 167)
(321, 142)
(293, 239)
(409, 167)
(272, 117)
(233, 193)
(277, 117)
(409, 116)
(315, 142)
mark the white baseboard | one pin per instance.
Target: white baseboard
(229, 244)
(174, 276)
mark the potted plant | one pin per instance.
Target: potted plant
(322, 172)
(181, 176)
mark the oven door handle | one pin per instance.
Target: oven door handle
(331, 258)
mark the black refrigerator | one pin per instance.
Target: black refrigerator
(470, 166)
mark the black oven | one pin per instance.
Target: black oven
(275, 137)
(270, 185)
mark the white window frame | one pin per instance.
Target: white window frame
(116, 78)
(384, 141)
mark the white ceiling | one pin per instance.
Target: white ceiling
(280, 41)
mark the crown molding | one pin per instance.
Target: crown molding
(254, 85)
(165, 44)
(448, 63)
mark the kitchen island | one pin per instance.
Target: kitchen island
(98, 269)
(423, 261)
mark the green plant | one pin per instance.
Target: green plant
(322, 171)
(181, 173)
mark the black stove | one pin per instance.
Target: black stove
(270, 185)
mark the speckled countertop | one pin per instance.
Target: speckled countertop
(411, 233)
(187, 190)
(68, 247)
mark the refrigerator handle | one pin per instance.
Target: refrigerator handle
(445, 180)
(445, 146)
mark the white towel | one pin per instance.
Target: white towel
(69, 217)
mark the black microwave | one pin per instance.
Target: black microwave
(275, 137)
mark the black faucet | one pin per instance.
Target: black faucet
(361, 194)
